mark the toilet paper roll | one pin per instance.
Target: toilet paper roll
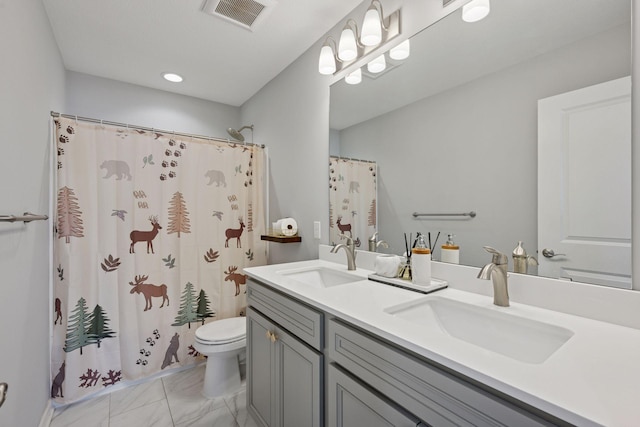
(286, 227)
(387, 265)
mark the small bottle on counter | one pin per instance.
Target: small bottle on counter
(522, 261)
(421, 262)
(450, 251)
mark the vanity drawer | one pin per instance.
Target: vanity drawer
(432, 394)
(294, 316)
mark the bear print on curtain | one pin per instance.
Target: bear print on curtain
(152, 232)
(352, 200)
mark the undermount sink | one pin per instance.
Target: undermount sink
(519, 338)
(320, 277)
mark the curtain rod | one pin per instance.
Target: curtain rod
(170, 132)
(351, 158)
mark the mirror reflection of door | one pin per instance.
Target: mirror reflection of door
(352, 200)
(584, 184)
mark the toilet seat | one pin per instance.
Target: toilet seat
(223, 331)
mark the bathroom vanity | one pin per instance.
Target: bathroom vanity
(326, 346)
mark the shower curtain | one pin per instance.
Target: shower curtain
(352, 200)
(152, 232)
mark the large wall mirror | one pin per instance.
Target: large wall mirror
(497, 117)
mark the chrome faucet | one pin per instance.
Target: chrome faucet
(496, 270)
(350, 249)
(374, 243)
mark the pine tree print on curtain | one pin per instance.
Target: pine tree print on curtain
(142, 253)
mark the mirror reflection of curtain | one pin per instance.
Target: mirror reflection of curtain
(352, 200)
(152, 234)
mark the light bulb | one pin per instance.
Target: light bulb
(347, 49)
(371, 28)
(354, 77)
(377, 65)
(326, 63)
(401, 51)
(475, 10)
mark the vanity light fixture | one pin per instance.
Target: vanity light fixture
(327, 61)
(377, 65)
(353, 45)
(373, 25)
(354, 77)
(172, 77)
(475, 10)
(401, 51)
(348, 46)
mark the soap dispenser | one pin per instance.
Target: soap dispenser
(421, 262)
(450, 251)
(522, 261)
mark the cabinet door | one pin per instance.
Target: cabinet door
(261, 362)
(284, 376)
(299, 375)
(352, 404)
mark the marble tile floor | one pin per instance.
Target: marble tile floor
(172, 401)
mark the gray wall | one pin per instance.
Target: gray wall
(31, 85)
(474, 147)
(111, 100)
(291, 114)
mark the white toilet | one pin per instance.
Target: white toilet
(222, 341)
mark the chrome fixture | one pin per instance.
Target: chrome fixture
(25, 217)
(549, 253)
(471, 214)
(476, 10)
(236, 133)
(374, 243)
(353, 45)
(350, 250)
(496, 270)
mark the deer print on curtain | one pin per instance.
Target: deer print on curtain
(152, 234)
(352, 200)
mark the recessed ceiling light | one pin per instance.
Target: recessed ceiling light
(172, 77)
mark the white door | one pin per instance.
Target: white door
(584, 184)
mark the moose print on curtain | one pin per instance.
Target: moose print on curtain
(152, 234)
(352, 200)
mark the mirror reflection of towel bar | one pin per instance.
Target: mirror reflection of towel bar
(471, 214)
(26, 217)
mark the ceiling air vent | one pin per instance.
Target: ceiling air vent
(246, 13)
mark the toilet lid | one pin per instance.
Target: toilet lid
(222, 331)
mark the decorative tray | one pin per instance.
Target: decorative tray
(436, 284)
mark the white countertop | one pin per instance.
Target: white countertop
(593, 379)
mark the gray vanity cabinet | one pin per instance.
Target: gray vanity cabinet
(436, 396)
(351, 404)
(284, 373)
(295, 362)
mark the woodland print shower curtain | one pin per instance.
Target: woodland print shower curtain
(352, 200)
(152, 234)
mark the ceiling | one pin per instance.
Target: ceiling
(136, 41)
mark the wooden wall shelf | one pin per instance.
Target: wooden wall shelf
(281, 239)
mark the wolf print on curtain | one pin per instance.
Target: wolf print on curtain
(152, 234)
(352, 200)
